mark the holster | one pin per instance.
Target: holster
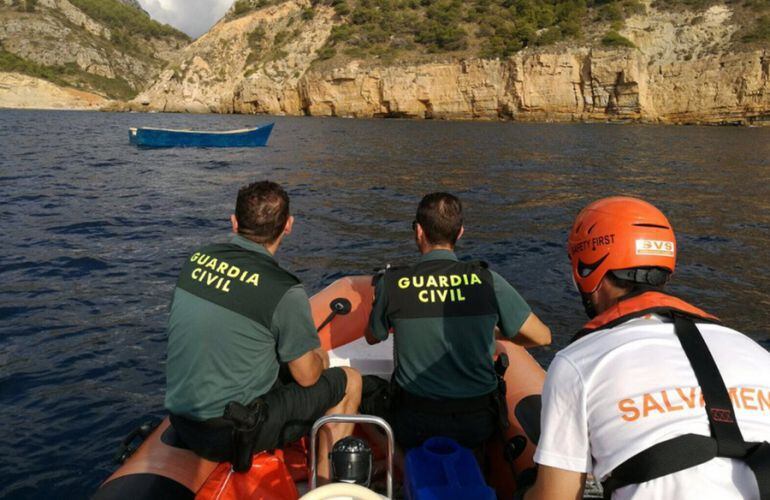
(501, 365)
(246, 421)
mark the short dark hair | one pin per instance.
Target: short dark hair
(441, 218)
(262, 210)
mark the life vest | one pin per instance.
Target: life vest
(726, 439)
(243, 281)
(443, 312)
(440, 288)
(641, 304)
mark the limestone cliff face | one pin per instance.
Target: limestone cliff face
(80, 51)
(680, 72)
(242, 65)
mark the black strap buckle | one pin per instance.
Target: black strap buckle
(127, 447)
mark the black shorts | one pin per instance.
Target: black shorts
(291, 412)
(471, 427)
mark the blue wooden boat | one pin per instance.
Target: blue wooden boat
(167, 138)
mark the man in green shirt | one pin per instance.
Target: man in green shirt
(236, 317)
(444, 313)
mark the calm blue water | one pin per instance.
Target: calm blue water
(94, 231)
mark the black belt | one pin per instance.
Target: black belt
(445, 406)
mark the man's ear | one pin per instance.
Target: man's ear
(234, 222)
(460, 234)
(289, 225)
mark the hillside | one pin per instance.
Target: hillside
(106, 47)
(682, 61)
(418, 30)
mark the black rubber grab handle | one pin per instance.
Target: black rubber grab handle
(341, 306)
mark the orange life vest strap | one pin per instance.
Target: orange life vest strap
(642, 304)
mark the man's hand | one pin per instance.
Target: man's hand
(308, 368)
(557, 484)
(533, 333)
(370, 338)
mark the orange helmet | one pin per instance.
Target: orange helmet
(625, 235)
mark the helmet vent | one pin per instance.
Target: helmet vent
(592, 227)
(651, 225)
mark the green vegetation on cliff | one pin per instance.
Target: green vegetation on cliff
(126, 20)
(487, 28)
(67, 75)
(116, 15)
(390, 29)
(78, 54)
(760, 32)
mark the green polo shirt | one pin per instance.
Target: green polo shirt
(443, 355)
(235, 315)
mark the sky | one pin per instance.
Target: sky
(194, 17)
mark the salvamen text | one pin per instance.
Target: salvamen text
(688, 398)
(219, 273)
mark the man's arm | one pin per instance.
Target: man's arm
(379, 326)
(563, 450)
(557, 484)
(517, 321)
(297, 340)
(307, 369)
(533, 333)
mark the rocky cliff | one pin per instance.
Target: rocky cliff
(102, 47)
(682, 67)
(22, 91)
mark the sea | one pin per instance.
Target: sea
(94, 232)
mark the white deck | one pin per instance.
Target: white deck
(368, 359)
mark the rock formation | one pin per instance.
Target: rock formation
(55, 40)
(681, 71)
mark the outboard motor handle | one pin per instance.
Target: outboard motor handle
(354, 419)
(341, 306)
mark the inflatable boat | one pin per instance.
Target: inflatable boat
(162, 467)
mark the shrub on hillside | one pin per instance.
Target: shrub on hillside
(492, 28)
(241, 7)
(67, 75)
(614, 39)
(308, 14)
(760, 32)
(120, 17)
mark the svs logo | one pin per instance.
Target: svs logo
(655, 247)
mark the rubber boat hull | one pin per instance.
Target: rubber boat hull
(163, 468)
(167, 138)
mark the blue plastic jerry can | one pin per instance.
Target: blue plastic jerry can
(441, 469)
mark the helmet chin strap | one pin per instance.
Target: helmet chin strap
(586, 298)
(588, 305)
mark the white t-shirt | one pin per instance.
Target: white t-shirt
(616, 392)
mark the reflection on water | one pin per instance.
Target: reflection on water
(95, 232)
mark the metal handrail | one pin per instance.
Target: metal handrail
(354, 419)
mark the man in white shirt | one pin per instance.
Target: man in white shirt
(654, 396)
